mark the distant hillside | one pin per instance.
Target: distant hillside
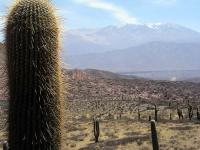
(194, 80)
(108, 75)
(154, 56)
(96, 84)
(171, 75)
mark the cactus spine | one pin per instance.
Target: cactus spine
(154, 136)
(96, 130)
(32, 41)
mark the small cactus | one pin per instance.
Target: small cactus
(179, 112)
(156, 112)
(170, 112)
(154, 136)
(170, 116)
(138, 110)
(198, 114)
(96, 130)
(190, 111)
(120, 113)
(149, 118)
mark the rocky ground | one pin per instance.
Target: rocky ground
(94, 84)
(116, 100)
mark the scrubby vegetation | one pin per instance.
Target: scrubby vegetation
(124, 120)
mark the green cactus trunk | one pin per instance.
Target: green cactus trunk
(156, 112)
(96, 130)
(32, 41)
(5, 146)
(154, 136)
(138, 113)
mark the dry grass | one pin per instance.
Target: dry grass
(126, 133)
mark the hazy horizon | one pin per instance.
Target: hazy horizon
(79, 14)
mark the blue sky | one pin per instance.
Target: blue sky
(99, 13)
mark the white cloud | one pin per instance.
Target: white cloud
(163, 2)
(119, 13)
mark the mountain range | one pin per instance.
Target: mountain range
(84, 41)
(132, 48)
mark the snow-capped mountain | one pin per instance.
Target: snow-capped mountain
(133, 48)
(84, 41)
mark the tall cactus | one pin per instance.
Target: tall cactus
(32, 41)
